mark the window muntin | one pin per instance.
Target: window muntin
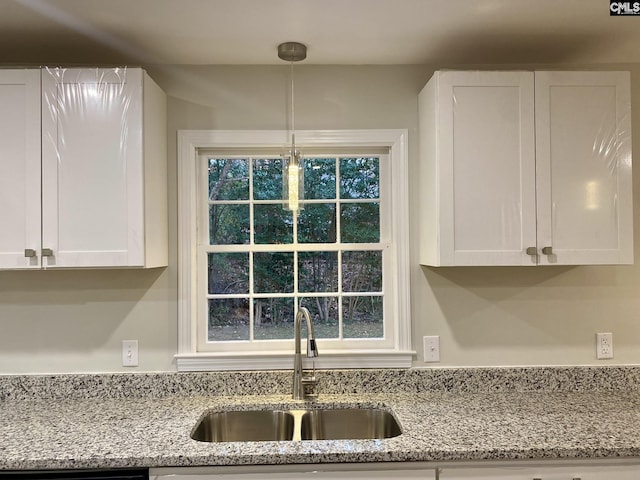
(264, 261)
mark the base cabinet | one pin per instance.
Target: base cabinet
(578, 472)
(396, 471)
(477, 470)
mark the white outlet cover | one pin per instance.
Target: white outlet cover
(431, 349)
(129, 353)
(604, 346)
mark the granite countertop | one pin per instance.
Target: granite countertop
(436, 427)
(142, 431)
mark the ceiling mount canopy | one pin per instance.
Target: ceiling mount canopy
(292, 51)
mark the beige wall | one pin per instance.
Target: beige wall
(74, 321)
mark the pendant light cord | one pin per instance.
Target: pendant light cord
(293, 112)
(292, 52)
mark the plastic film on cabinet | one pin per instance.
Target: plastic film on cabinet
(91, 133)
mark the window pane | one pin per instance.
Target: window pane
(319, 178)
(228, 273)
(324, 313)
(273, 318)
(267, 179)
(359, 178)
(362, 317)
(273, 224)
(228, 179)
(360, 223)
(228, 224)
(273, 272)
(228, 319)
(318, 271)
(362, 271)
(317, 223)
(350, 285)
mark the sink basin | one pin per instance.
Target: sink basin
(245, 426)
(341, 423)
(348, 423)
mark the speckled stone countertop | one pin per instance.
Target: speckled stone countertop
(452, 415)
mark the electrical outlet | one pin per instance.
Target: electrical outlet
(431, 349)
(604, 345)
(130, 353)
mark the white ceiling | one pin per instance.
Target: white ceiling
(335, 31)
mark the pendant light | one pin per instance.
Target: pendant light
(293, 171)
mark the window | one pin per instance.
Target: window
(264, 261)
(246, 264)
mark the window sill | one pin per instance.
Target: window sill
(198, 362)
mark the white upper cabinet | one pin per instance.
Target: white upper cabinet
(20, 168)
(103, 193)
(524, 168)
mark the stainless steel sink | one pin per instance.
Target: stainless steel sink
(348, 423)
(297, 424)
(245, 426)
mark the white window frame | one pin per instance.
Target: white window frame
(190, 142)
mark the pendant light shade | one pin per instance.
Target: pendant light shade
(293, 171)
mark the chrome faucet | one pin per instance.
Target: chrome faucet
(303, 386)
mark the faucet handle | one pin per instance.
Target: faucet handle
(312, 348)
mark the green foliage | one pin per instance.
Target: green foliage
(317, 223)
(228, 179)
(229, 224)
(228, 273)
(362, 271)
(360, 223)
(271, 313)
(273, 272)
(272, 224)
(319, 178)
(359, 178)
(228, 319)
(318, 271)
(267, 179)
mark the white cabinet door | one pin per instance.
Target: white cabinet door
(92, 168)
(478, 168)
(613, 472)
(583, 155)
(19, 169)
